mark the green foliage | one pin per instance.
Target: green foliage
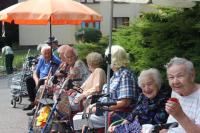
(156, 37)
(88, 35)
(19, 58)
(85, 48)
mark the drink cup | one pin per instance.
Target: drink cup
(147, 128)
(173, 99)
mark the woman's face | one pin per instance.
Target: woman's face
(180, 79)
(62, 57)
(149, 87)
(114, 68)
(70, 58)
(90, 66)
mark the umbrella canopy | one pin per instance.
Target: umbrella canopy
(56, 12)
(49, 11)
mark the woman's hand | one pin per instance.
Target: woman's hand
(88, 110)
(125, 121)
(71, 92)
(78, 99)
(163, 131)
(173, 108)
(111, 129)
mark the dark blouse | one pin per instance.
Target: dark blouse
(146, 112)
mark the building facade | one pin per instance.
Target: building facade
(123, 14)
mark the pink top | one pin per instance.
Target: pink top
(94, 82)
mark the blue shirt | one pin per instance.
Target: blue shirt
(43, 67)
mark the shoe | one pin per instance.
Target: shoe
(29, 107)
(31, 113)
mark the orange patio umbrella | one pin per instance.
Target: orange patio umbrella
(56, 12)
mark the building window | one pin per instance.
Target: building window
(120, 21)
(95, 25)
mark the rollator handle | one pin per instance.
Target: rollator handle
(100, 104)
(64, 72)
(98, 96)
(68, 83)
(158, 127)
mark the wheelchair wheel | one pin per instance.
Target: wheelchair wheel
(13, 103)
(19, 99)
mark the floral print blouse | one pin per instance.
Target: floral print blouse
(147, 111)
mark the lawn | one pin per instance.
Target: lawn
(20, 56)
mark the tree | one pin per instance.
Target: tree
(156, 37)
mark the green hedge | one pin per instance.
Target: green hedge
(154, 38)
(88, 35)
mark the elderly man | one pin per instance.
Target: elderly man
(46, 61)
(186, 110)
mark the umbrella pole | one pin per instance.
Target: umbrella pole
(109, 63)
(50, 30)
(50, 36)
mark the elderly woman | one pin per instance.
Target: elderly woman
(150, 108)
(94, 82)
(122, 87)
(185, 111)
(74, 67)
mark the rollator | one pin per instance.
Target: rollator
(42, 99)
(65, 120)
(85, 125)
(54, 108)
(40, 104)
(18, 85)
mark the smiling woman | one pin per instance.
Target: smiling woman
(150, 108)
(150, 82)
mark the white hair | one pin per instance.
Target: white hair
(119, 57)
(95, 59)
(39, 47)
(44, 48)
(180, 61)
(154, 73)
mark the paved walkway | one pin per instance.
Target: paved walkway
(12, 120)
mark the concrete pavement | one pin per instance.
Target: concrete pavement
(12, 120)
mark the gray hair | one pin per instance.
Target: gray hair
(39, 47)
(44, 48)
(66, 48)
(119, 57)
(95, 59)
(150, 72)
(180, 61)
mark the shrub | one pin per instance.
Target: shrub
(88, 35)
(156, 37)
